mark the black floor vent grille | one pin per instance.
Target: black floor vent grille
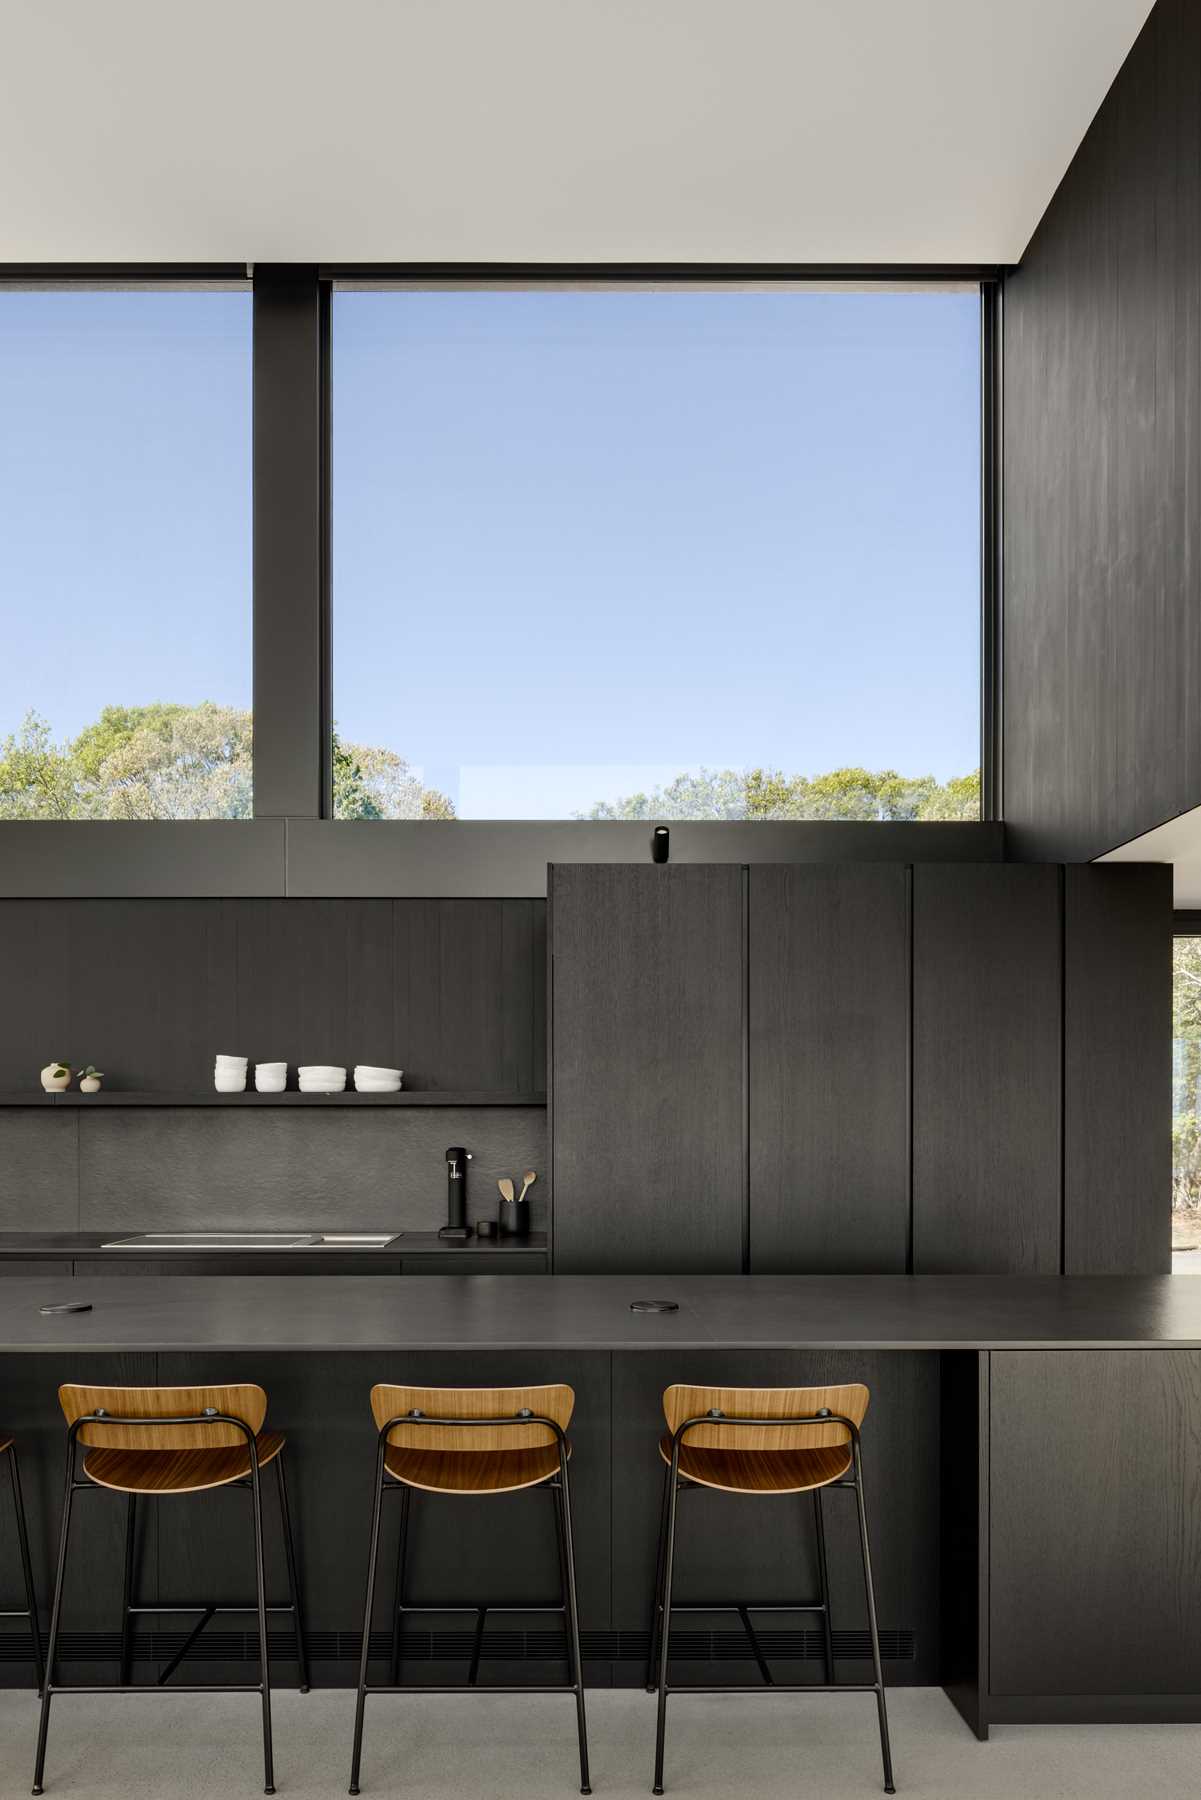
(455, 1646)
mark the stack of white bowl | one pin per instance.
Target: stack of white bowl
(369, 1080)
(271, 1078)
(229, 1074)
(320, 1078)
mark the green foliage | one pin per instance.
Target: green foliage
(771, 794)
(170, 761)
(378, 784)
(1186, 1084)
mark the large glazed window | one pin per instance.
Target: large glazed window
(680, 552)
(1186, 1105)
(125, 553)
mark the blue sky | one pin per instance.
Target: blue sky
(583, 540)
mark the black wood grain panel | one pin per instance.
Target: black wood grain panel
(647, 1067)
(762, 1548)
(451, 991)
(1102, 479)
(1117, 1069)
(829, 1050)
(986, 1069)
(467, 975)
(1095, 1523)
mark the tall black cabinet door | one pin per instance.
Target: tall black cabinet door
(649, 1163)
(986, 1068)
(829, 1052)
(1117, 1069)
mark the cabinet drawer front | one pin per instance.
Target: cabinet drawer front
(483, 1262)
(1095, 1502)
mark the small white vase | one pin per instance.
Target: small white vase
(54, 1084)
(90, 1084)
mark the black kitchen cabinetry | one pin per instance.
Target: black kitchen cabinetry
(987, 1046)
(828, 967)
(861, 1068)
(1094, 1562)
(647, 1043)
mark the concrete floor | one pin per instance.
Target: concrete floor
(718, 1748)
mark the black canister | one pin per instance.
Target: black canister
(513, 1218)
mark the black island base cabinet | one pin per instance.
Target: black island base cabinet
(1031, 1458)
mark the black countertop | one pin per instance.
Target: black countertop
(40, 1245)
(487, 1312)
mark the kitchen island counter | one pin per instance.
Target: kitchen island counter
(518, 1312)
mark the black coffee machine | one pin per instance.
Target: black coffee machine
(456, 1225)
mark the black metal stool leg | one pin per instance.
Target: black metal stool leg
(35, 1629)
(657, 1601)
(285, 1513)
(563, 1512)
(885, 1747)
(399, 1591)
(56, 1608)
(669, 1555)
(256, 1498)
(368, 1609)
(823, 1576)
(127, 1600)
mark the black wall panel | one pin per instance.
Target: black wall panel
(986, 1069)
(1117, 1069)
(452, 991)
(649, 1153)
(1102, 550)
(828, 950)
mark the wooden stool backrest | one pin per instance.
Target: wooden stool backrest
(241, 1401)
(684, 1402)
(388, 1402)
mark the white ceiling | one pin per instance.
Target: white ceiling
(1177, 842)
(543, 130)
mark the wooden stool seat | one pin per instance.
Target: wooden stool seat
(472, 1471)
(439, 1442)
(781, 1440)
(148, 1443)
(178, 1471)
(761, 1471)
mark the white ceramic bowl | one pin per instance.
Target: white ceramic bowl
(263, 1068)
(376, 1087)
(233, 1059)
(320, 1069)
(373, 1074)
(230, 1084)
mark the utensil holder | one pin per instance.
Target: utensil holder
(513, 1218)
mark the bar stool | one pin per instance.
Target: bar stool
(457, 1441)
(162, 1442)
(762, 1441)
(8, 1450)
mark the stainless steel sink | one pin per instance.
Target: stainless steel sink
(255, 1240)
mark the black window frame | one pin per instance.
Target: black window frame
(293, 844)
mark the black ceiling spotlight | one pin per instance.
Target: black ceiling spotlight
(660, 844)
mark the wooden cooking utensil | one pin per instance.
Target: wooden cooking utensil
(528, 1178)
(506, 1188)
